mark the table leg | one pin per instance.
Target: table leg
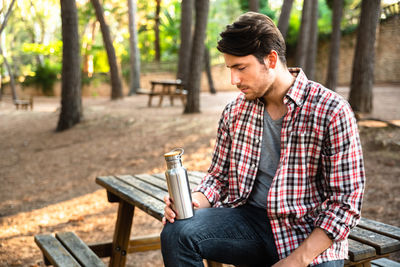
(122, 234)
(151, 95)
(163, 91)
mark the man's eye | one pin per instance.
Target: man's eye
(242, 68)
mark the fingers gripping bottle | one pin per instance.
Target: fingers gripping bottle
(178, 184)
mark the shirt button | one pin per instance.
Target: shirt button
(253, 166)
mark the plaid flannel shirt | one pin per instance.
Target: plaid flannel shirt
(320, 178)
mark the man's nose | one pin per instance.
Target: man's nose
(235, 79)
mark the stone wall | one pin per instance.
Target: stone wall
(387, 55)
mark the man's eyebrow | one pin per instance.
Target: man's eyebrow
(234, 65)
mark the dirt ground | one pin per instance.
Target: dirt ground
(48, 178)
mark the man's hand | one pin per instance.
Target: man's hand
(288, 262)
(316, 243)
(198, 199)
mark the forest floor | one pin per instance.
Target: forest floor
(48, 178)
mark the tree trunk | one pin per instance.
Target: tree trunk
(1, 87)
(313, 41)
(10, 73)
(186, 40)
(207, 65)
(88, 59)
(196, 62)
(157, 31)
(5, 20)
(334, 53)
(283, 23)
(71, 103)
(2, 27)
(254, 5)
(116, 86)
(362, 79)
(304, 35)
(134, 53)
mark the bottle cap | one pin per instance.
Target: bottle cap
(177, 152)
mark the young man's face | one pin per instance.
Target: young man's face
(250, 76)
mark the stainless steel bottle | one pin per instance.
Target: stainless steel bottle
(178, 184)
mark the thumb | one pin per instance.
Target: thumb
(196, 203)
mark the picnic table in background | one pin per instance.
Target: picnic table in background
(169, 88)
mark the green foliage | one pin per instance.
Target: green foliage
(264, 8)
(54, 48)
(44, 78)
(96, 80)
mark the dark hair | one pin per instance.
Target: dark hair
(252, 34)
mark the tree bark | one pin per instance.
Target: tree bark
(71, 103)
(334, 53)
(207, 65)
(9, 10)
(254, 5)
(196, 62)
(116, 86)
(9, 70)
(88, 59)
(304, 35)
(186, 40)
(283, 23)
(10, 73)
(134, 53)
(362, 80)
(157, 32)
(313, 41)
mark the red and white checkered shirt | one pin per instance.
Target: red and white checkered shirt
(320, 177)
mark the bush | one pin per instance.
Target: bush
(45, 77)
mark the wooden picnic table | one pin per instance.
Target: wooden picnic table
(368, 241)
(169, 88)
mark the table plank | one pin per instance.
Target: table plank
(153, 180)
(149, 204)
(144, 186)
(359, 251)
(193, 181)
(381, 228)
(381, 243)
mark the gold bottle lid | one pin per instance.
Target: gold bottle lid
(175, 152)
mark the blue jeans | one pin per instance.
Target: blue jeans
(239, 236)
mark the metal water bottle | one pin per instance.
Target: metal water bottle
(178, 184)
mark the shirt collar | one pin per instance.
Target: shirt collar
(297, 90)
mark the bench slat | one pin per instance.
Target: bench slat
(81, 252)
(54, 251)
(359, 251)
(381, 243)
(147, 203)
(384, 262)
(381, 228)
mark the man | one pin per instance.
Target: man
(287, 170)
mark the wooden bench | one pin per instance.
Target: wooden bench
(368, 241)
(23, 103)
(66, 249)
(169, 88)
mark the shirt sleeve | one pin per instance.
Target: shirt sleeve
(343, 171)
(215, 184)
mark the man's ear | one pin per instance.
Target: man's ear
(271, 59)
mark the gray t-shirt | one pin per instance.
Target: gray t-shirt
(270, 154)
